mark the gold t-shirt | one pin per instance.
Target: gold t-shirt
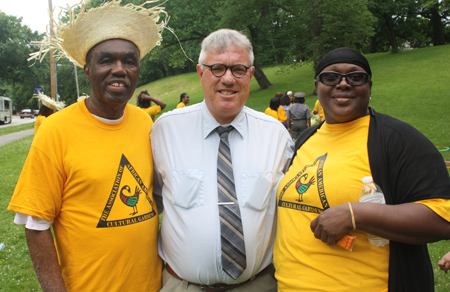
(326, 172)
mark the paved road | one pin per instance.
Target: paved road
(16, 120)
(5, 139)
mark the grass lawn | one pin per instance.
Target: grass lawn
(410, 86)
(13, 129)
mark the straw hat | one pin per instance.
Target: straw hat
(83, 31)
(50, 103)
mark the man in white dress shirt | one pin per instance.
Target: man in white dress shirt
(186, 160)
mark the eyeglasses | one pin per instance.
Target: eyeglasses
(334, 78)
(219, 70)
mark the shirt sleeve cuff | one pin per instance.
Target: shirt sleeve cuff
(32, 222)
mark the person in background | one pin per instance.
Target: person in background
(144, 101)
(298, 116)
(89, 171)
(272, 110)
(284, 105)
(291, 97)
(279, 95)
(319, 110)
(218, 178)
(318, 198)
(444, 263)
(184, 100)
(48, 107)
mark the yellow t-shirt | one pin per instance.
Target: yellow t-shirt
(318, 108)
(37, 124)
(281, 114)
(152, 111)
(272, 113)
(85, 175)
(180, 105)
(326, 172)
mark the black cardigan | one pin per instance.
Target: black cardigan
(408, 168)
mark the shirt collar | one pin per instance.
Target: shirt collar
(210, 124)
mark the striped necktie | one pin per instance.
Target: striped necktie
(232, 235)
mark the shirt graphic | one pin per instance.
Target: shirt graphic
(126, 204)
(305, 182)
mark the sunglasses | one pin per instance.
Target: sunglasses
(334, 78)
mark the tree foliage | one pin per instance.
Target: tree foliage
(288, 32)
(17, 77)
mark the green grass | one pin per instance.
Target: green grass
(16, 271)
(13, 129)
(410, 86)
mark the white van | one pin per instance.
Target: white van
(5, 110)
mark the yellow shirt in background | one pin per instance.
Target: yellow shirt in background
(180, 105)
(37, 124)
(318, 108)
(281, 114)
(272, 113)
(152, 111)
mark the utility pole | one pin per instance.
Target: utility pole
(52, 59)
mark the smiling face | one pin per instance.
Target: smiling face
(343, 102)
(113, 72)
(225, 96)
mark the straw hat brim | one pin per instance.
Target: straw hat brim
(82, 32)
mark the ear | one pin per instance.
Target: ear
(316, 84)
(252, 71)
(200, 72)
(87, 72)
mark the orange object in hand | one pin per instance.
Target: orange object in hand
(347, 241)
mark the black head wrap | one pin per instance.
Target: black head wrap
(344, 55)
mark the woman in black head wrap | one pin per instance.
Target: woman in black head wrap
(318, 199)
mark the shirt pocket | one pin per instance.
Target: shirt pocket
(188, 188)
(256, 189)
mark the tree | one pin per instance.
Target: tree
(437, 12)
(333, 24)
(16, 75)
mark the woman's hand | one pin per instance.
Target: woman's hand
(332, 224)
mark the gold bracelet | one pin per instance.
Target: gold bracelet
(353, 215)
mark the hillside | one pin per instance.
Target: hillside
(410, 85)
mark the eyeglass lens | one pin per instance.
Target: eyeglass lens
(219, 70)
(334, 78)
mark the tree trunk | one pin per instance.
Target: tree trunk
(260, 77)
(438, 30)
(373, 44)
(392, 38)
(315, 27)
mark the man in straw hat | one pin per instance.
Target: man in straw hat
(219, 200)
(89, 171)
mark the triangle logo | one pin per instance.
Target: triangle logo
(128, 202)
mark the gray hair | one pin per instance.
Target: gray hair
(220, 40)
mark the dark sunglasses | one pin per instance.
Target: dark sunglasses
(334, 78)
(219, 70)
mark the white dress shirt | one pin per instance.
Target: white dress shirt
(185, 147)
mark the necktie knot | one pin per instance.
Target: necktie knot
(224, 131)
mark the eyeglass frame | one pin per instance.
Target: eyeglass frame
(228, 67)
(343, 76)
